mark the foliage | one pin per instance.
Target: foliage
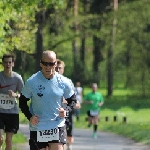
(18, 26)
(94, 18)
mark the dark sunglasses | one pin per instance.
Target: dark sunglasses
(48, 63)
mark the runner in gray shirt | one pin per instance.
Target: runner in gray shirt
(11, 84)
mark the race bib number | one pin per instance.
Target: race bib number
(7, 102)
(48, 135)
(93, 112)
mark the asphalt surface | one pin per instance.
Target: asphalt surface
(84, 141)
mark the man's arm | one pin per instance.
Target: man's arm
(24, 106)
(78, 106)
(100, 104)
(71, 102)
(13, 94)
(88, 102)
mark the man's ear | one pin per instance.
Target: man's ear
(13, 64)
(56, 64)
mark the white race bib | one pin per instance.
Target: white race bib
(7, 102)
(93, 112)
(48, 135)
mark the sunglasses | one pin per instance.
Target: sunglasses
(48, 63)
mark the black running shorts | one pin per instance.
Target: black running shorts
(34, 145)
(9, 122)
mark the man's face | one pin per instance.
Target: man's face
(94, 87)
(60, 68)
(48, 65)
(8, 64)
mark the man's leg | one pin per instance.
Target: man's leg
(89, 119)
(46, 148)
(1, 138)
(11, 128)
(34, 145)
(95, 126)
(59, 145)
(70, 140)
(56, 146)
(9, 136)
(70, 129)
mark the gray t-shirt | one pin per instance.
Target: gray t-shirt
(14, 83)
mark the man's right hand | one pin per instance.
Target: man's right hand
(34, 120)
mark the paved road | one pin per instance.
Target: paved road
(105, 141)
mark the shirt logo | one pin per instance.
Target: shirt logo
(40, 90)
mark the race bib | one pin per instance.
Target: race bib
(93, 112)
(7, 102)
(48, 135)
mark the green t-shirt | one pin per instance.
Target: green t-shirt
(96, 98)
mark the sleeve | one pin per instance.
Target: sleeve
(24, 106)
(68, 90)
(71, 102)
(20, 84)
(26, 90)
(24, 98)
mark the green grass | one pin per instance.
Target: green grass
(19, 138)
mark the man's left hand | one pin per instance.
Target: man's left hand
(62, 112)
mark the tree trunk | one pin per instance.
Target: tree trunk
(110, 53)
(82, 51)
(83, 37)
(128, 63)
(40, 19)
(109, 72)
(23, 64)
(74, 43)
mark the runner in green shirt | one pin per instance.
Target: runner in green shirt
(94, 100)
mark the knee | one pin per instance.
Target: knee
(1, 139)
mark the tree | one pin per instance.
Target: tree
(110, 54)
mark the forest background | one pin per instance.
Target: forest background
(103, 41)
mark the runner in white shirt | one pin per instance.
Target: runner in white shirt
(79, 97)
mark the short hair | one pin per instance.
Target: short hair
(48, 53)
(8, 56)
(60, 62)
(94, 84)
